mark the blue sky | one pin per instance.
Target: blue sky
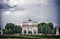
(38, 10)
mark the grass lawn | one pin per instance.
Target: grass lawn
(28, 37)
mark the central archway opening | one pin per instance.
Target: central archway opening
(29, 32)
(24, 31)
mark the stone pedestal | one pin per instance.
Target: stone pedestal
(1, 32)
(57, 31)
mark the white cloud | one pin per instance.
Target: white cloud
(26, 2)
(31, 2)
(11, 2)
(7, 13)
(43, 2)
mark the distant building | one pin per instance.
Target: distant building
(29, 27)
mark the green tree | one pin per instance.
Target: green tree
(40, 27)
(45, 27)
(18, 29)
(12, 28)
(50, 25)
(59, 30)
(9, 28)
(54, 30)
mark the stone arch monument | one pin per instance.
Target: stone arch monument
(29, 27)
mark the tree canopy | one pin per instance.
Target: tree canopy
(12, 28)
(45, 27)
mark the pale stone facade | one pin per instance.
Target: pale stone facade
(29, 27)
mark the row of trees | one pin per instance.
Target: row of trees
(42, 28)
(12, 28)
(45, 28)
